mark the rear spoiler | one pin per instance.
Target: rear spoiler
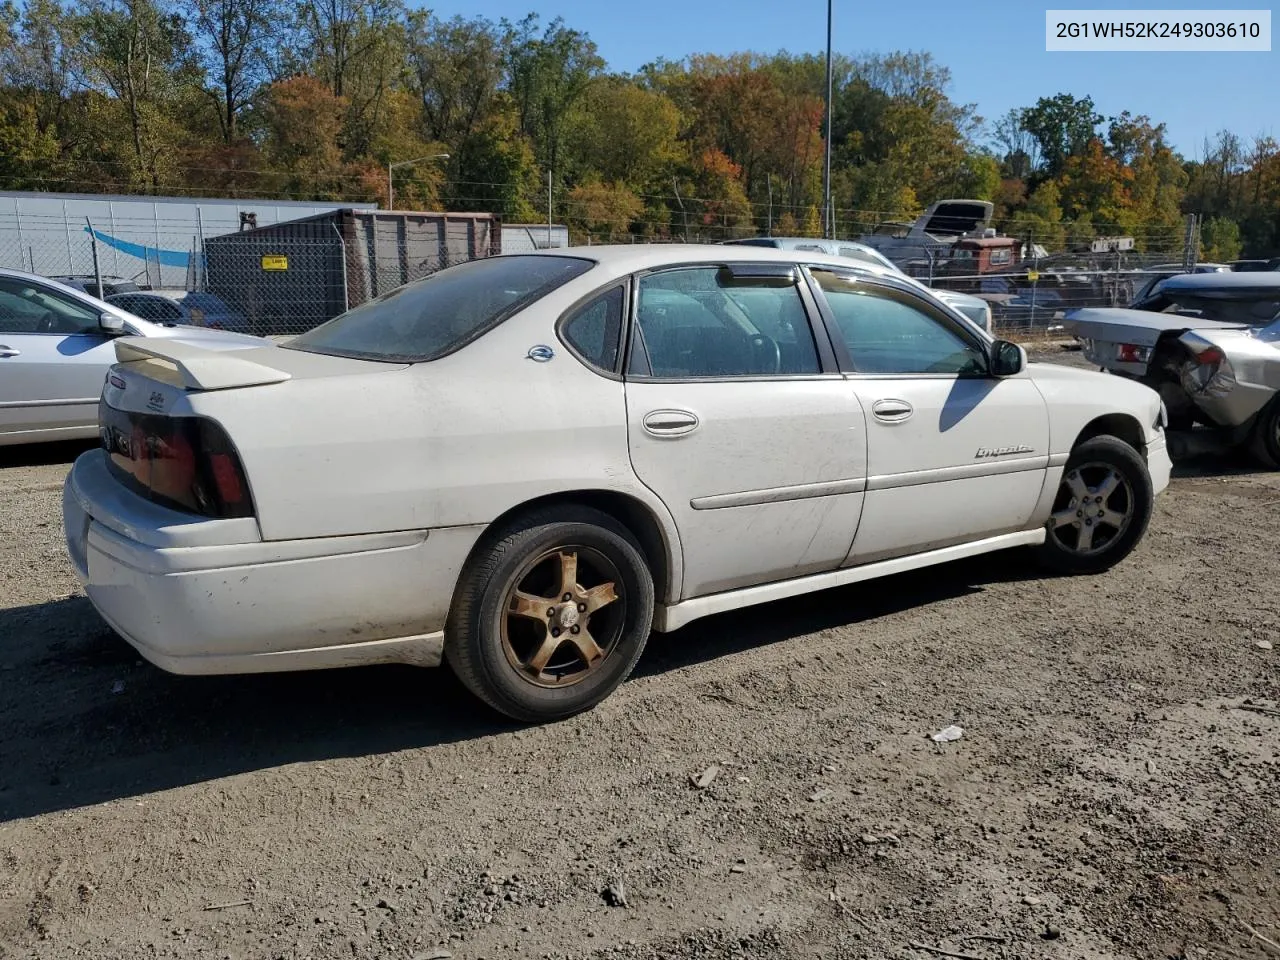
(199, 368)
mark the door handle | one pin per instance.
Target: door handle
(892, 411)
(669, 423)
(9, 351)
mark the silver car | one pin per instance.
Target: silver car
(55, 348)
(974, 308)
(1209, 344)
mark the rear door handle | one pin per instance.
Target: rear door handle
(669, 423)
(892, 411)
(9, 351)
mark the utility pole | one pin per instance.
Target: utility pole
(829, 231)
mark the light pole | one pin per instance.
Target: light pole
(829, 230)
(391, 190)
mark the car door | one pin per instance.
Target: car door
(739, 420)
(53, 360)
(953, 453)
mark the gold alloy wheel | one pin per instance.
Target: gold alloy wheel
(563, 616)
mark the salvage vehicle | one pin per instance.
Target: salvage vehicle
(1206, 344)
(975, 308)
(524, 463)
(55, 349)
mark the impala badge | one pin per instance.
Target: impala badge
(984, 452)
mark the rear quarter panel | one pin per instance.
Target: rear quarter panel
(450, 442)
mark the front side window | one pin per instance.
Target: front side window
(594, 330)
(1001, 256)
(699, 322)
(887, 331)
(28, 308)
(436, 315)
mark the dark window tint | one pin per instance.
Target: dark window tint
(595, 330)
(889, 332)
(155, 309)
(26, 307)
(428, 318)
(695, 325)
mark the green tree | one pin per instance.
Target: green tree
(547, 74)
(602, 211)
(234, 40)
(1062, 126)
(1220, 240)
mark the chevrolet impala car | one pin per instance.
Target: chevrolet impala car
(523, 464)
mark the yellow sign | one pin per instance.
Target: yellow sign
(1032, 275)
(275, 262)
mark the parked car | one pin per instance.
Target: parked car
(974, 308)
(55, 348)
(182, 306)
(1152, 277)
(1255, 266)
(1206, 343)
(523, 463)
(89, 284)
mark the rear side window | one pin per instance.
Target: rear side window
(594, 330)
(436, 315)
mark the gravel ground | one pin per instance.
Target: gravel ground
(1113, 794)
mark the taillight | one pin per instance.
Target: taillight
(1210, 357)
(1132, 353)
(185, 463)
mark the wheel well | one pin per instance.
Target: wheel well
(628, 511)
(1118, 425)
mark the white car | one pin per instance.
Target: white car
(524, 463)
(55, 349)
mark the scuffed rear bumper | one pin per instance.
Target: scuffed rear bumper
(261, 606)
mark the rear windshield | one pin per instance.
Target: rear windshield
(429, 318)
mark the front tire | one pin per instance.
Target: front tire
(1265, 443)
(551, 614)
(1101, 510)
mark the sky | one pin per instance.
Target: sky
(994, 49)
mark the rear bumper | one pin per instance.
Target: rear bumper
(256, 606)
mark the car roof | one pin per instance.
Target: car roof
(633, 257)
(1192, 282)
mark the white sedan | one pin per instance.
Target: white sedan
(523, 464)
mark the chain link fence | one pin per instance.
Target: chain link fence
(288, 277)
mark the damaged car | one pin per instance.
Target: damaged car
(1209, 344)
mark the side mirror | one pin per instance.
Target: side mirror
(1007, 359)
(110, 323)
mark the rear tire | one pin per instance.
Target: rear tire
(1265, 443)
(551, 614)
(1101, 510)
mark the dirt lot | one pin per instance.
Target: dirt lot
(1111, 797)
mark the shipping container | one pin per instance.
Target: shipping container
(289, 277)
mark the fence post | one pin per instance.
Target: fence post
(93, 245)
(342, 255)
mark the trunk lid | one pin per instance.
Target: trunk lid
(1140, 327)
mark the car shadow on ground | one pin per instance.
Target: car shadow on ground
(85, 722)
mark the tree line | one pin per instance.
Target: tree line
(264, 99)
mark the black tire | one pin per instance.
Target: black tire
(1265, 442)
(496, 651)
(1105, 467)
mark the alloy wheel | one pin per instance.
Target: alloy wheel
(1094, 507)
(563, 615)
